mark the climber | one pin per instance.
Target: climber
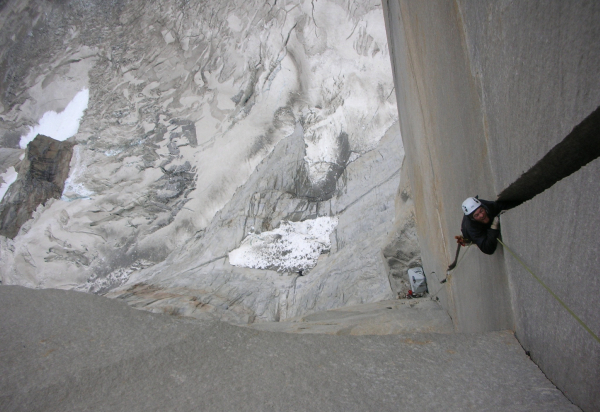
(481, 223)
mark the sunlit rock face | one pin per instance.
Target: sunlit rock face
(207, 122)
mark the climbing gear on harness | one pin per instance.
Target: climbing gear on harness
(461, 241)
(470, 205)
(552, 293)
(453, 264)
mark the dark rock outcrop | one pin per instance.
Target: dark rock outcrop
(324, 189)
(42, 176)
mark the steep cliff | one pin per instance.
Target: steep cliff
(492, 94)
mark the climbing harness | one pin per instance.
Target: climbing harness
(551, 292)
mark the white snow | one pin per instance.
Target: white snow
(60, 126)
(234, 22)
(291, 247)
(112, 152)
(9, 178)
(98, 285)
(73, 188)
(75, 191)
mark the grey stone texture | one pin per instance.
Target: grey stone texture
(70, 351)
(42, 175)
(485, 89)
(208, 119)
(9, 158)
(388, 317)
(402, 250)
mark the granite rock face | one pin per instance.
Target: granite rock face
(490, 92)
(207, 122)
(73, 351)
(42, 175)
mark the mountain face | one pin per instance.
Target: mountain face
(225, 148)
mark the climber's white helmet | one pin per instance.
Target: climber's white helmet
(470, 205)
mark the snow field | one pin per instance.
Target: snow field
(291, 247)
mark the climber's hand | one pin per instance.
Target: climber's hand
(495, 223)
(460, 240)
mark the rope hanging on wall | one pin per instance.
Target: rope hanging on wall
(564, 305)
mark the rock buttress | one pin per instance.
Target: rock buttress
(42, 176)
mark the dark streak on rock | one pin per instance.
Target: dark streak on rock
(580, 147)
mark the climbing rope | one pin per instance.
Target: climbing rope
(454, 264)
(451, 268)
(463, 256)
(552, 293)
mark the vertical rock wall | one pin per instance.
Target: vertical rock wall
(441, 121)
(485, 90)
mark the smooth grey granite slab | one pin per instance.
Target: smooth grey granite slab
(70, 351)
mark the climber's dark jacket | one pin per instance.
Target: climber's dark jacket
(481, 234)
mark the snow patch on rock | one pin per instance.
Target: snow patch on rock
(9, 178)
(291, 247)
(74, 189)
(100, 285)
(60, 126)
